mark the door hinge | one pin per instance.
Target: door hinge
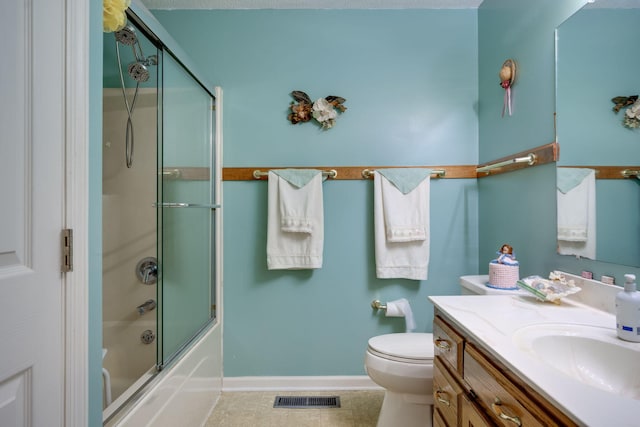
(67, 250)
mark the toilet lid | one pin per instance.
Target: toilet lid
(407, 346)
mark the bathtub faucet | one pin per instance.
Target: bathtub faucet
(147, 270)
(147, 306)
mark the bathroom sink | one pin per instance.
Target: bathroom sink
(590, 354)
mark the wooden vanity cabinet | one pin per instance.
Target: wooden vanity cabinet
(438, 421)
(446, 394)
(471, 415)
(447, 345)
(473, 389)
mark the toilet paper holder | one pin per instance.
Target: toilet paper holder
(376, 304)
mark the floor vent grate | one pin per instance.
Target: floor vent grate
(307, 402)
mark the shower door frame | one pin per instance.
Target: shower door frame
(163, 357)
(79, 357)
(215, 187)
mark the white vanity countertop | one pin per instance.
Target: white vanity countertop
(492, 320)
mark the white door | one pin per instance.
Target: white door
(32, 133)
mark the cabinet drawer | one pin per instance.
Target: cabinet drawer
(502, 399)
(448, 344)
(446, 393)
(471, 415)
(438, 420)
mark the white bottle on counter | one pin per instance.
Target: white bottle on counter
(628, 310)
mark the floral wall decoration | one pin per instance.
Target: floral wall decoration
(114, 16)
(323, 110)
(631, 118)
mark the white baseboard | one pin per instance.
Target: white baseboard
(304, 383)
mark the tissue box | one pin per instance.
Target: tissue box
(502, 276)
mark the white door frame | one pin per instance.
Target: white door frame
(76, 297)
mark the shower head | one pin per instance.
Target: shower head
(138, 71)
(127, 35)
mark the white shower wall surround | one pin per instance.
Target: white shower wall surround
(129, 235)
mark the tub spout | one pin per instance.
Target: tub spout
(147, 306)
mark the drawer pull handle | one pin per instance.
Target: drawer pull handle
(498, 409)
(442, 344)
(440, 399)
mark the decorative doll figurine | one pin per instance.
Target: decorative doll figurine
(504, 271)
(506, 256)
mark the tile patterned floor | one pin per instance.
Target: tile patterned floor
(255, 409)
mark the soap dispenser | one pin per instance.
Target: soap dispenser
(628, 310)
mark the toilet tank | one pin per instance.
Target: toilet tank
(476, 285)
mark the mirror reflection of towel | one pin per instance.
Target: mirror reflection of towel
(577, 214)
(570, 178)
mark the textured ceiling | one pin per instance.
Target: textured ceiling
(311, 4)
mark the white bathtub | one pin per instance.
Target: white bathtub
(182, 394)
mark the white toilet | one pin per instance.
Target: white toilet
(402, 364)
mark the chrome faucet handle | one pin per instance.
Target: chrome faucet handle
(150, 272)
(147, 270)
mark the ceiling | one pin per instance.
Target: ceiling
(312, 4)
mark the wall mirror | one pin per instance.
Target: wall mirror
(595, 62)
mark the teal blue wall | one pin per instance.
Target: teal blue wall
(412, 100)
(523, 31)
(520, 207)
(585, 60)
(589, 132)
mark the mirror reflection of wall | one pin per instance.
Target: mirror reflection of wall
(596, 61)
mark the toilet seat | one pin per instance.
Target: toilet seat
(415, 348)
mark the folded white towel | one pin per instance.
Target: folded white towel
(401, 225)
(297, 202)
(407, 223)
(295, 224)
(577, 219)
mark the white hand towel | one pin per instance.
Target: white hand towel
(401, 252)
(577, 219)
(295, 224)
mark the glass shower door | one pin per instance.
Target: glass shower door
(186, 212)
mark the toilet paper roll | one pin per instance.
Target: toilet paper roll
(401, 308)
(394, 309)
